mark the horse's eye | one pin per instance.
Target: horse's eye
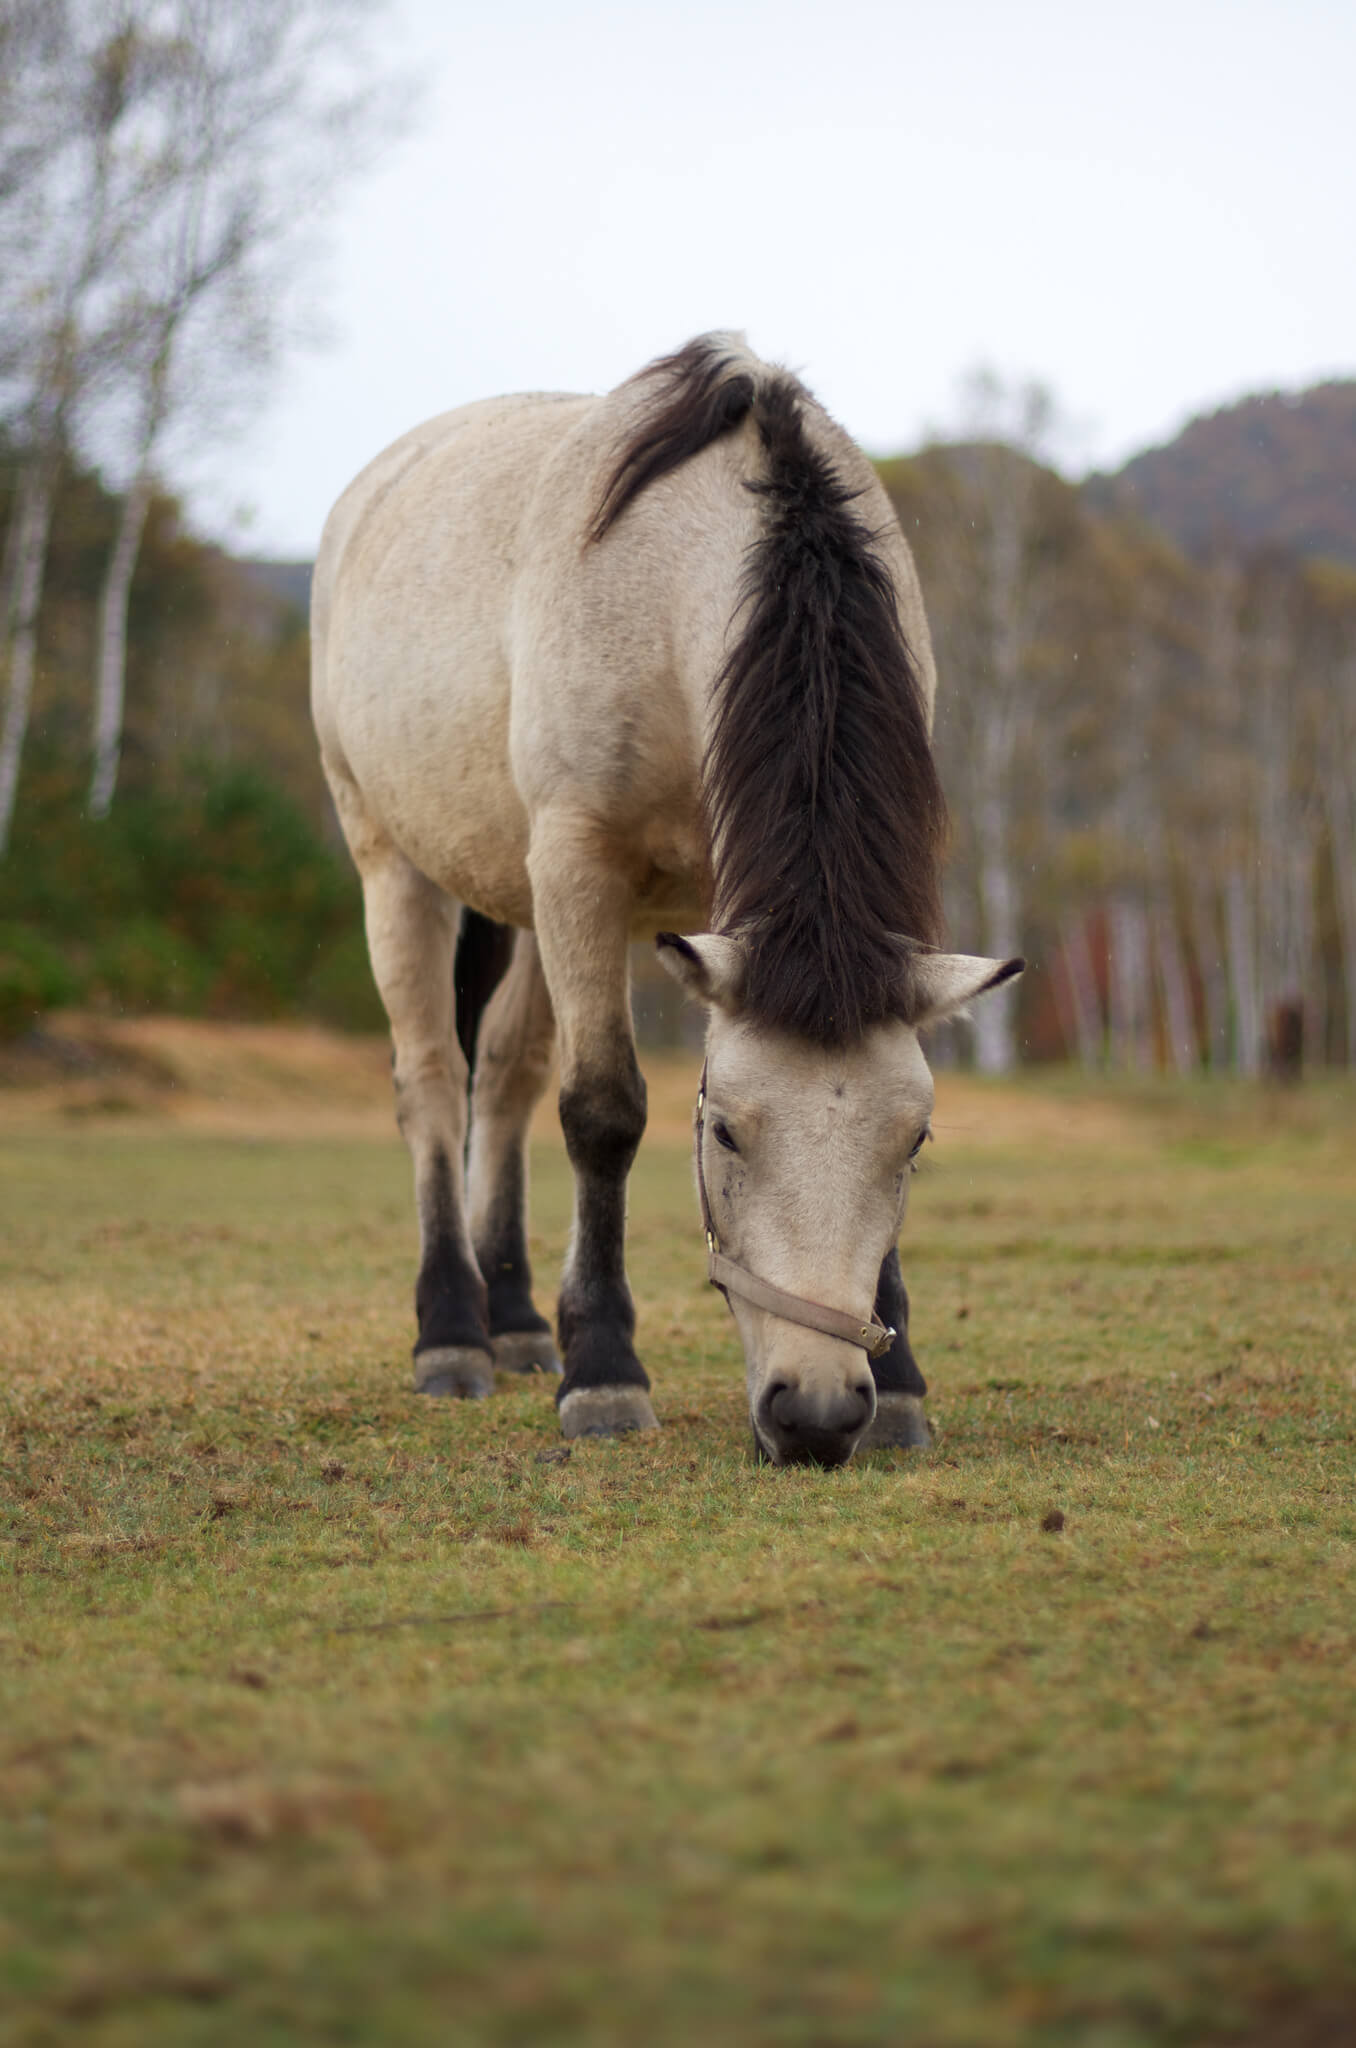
(923, 1137)
(722, 1135)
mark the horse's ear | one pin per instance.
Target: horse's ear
(944, 983)
(709, 966)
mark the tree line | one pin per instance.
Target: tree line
(1150, 761)
(159, 160)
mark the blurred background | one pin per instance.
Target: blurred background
(1081, 284)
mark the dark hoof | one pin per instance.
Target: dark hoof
(455, 1372)
(526, 1351)
(606, 1411)
(900, 1424)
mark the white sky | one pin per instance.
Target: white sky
(1150, 207)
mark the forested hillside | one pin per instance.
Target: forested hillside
(1149, 763)
(1276, 471)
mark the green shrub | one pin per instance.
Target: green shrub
(221, 896)
(254, 971)
(144, 965)
(341, 990)
(34, 977)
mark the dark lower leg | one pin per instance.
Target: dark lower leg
(513, 1057)
(897, 1372)
(449, 1295)
(501, 1252)
(603, 1116)
(410, 928)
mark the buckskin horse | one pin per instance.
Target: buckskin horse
(649, 665)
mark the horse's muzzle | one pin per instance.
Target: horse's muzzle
(813, 1426)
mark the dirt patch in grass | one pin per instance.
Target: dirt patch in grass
(100, 1072)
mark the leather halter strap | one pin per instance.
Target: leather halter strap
(873, 1336)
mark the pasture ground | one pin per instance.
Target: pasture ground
(331, 1715)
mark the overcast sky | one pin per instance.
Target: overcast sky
(1150, 208)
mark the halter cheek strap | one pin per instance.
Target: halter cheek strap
(874, 1336)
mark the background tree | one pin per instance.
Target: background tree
(192, 144)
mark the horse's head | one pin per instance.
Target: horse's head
(804, 1155)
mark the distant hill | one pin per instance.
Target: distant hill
(1273, 471)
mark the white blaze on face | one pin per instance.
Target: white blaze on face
(806, 1153)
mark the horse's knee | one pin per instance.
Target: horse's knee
(602, 1114)
(431, 1081)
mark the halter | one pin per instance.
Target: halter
(874, 1336)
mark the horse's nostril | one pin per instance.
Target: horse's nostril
(777, 1398)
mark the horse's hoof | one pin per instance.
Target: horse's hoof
(456, 1372)
(900, 1424)
(606, 1411)
(525, 1351)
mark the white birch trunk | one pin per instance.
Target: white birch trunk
(995, 1016)
(1172, 979)
(1243, 976)
(34, 513)
(1130, 1046)
(110, 677)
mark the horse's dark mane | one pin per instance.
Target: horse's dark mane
(823, 806)
(703, 393)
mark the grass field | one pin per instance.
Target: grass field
(330, 1715)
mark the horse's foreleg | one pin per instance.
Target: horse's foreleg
(513, 1061)
(582, 916)
(411, 929)
(900, 1385)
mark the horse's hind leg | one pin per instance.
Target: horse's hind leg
(411, 928)
(900, 1385)
(512, 1060)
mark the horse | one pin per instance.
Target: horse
(649, 665)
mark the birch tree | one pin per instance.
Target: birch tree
(994, 709)
(259, 104)
(81, 198)
(160, 161)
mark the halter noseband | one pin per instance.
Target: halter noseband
(874, 1336)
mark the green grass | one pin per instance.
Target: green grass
(328, 1715)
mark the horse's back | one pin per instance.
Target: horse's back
(410, 661)
(482, 660)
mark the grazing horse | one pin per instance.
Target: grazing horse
(592, 669)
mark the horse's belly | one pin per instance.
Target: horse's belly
(441, 790)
